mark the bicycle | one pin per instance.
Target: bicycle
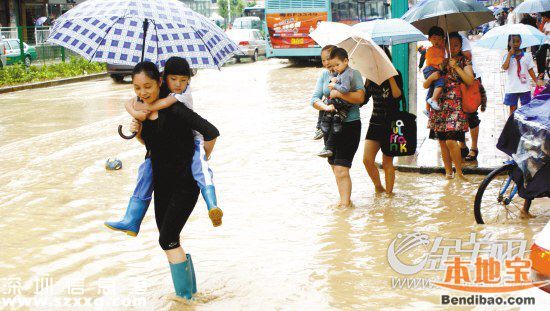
(498, 195)
(507, 192)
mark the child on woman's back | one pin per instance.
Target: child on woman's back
(177, 75)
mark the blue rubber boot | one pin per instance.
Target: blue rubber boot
(182, 278)
(132, 219)
(190, 260)
(214, 212)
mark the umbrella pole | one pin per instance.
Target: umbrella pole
(355, 48)
(145, 27)
(448, 39)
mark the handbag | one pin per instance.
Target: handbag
(471, 97)
(400, 136)
(538, 90)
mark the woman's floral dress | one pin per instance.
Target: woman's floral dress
(450, 123)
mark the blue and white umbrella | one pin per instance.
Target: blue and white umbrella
(497, 10)
(533, 6)
(390, 31)
(497, 38)
(129, 31)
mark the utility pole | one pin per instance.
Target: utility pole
(228, 12)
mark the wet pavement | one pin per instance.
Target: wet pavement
(283, 243)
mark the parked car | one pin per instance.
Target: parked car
(2, 52)
(250, 41)
(13, 52)
(247, 22)
(118, 71)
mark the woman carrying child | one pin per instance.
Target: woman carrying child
(168, 137)
(346, 142)
(177, 76)
(450, 124)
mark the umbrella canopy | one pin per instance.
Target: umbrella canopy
(451, 15)
(367, 57)
(40, 21)
(497, 11)
(390, 31)
(330, 33)
(364, 54)
(129, 31)
(497, 38)
(533, 6)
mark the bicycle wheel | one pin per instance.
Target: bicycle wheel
(490, 206)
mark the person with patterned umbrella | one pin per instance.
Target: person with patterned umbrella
(148, 32)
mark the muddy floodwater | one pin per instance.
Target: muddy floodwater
(283, 244)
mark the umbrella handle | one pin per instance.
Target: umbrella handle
(123, 135)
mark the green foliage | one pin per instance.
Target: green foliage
(76, 66)
(237, 7)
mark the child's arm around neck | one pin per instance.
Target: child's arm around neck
(139, 115)
(163, 103)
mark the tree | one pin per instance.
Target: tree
(237, 7)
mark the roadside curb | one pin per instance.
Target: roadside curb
(439, 169)
(9, 89)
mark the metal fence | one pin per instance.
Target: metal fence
(33, 41)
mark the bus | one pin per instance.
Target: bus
(258, 10)
(289, 22)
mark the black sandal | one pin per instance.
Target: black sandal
(470, 158)
(464, 152)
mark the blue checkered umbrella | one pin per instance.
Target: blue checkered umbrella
(129, 31)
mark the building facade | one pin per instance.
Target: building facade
(203, 7)
(25, 12)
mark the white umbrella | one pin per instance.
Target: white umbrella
(40, 21)
(364, 55)
(367, 57)
(390, 31)
(497, 38)
(331, 33)
(533, 6)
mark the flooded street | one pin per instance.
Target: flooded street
(282, 245)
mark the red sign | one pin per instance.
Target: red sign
(291, 30)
